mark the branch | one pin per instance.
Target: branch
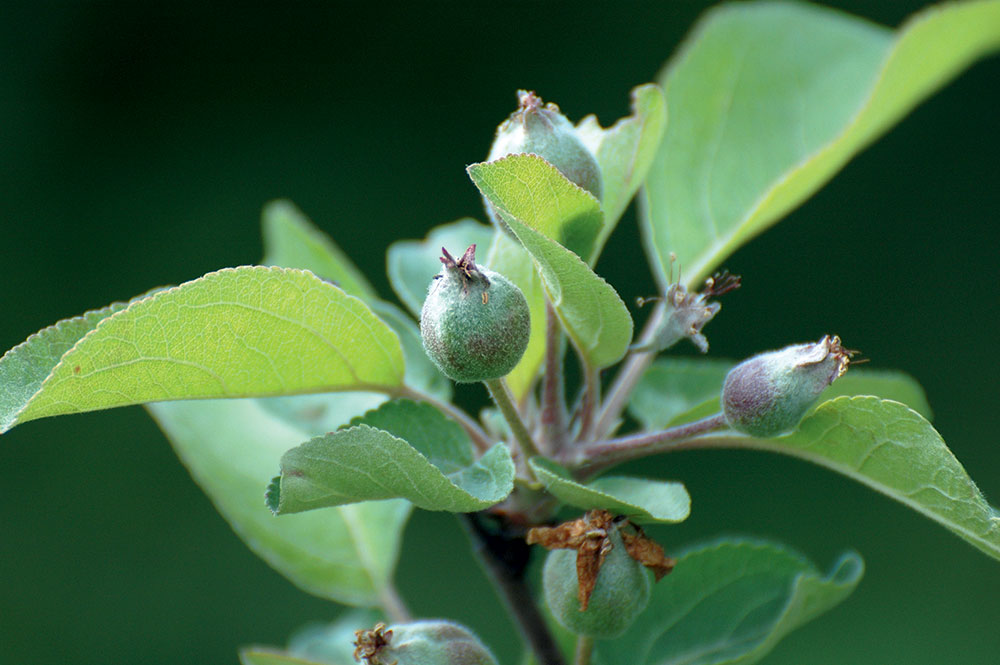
(553, 397)
(597, 456)
(505, 557)
(633, 368)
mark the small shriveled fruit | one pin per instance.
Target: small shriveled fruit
(620, 594)
(429, 642)
(475, 322)
(768, 394)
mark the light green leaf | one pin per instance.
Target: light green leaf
(230, 447)
(291, 240)
(644, 501)
(730, 603)
(625, 151)
(25, 367)
(892, 449)
(590, 310)
(677, 390)
(432, 466)
(232, 333)
(539, 196)
(412, 264)
(769, 100)
(511, 260)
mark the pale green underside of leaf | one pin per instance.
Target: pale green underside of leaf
(412, 264)
(644, 501)
(769, 100)
(625, 151)
(231, 448)
(512, 261)
(892, 449)
(236, 332)
(403, 449)
(677, 390)
(730, 603)
(542, 198)
(291, 240)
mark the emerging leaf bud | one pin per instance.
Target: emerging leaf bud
(475, 322)
(431, 642)
(544, 131)
(768, 394)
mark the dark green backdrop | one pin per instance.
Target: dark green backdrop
(137, 144)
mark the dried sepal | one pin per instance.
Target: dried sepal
(590, 536)
(368, 643)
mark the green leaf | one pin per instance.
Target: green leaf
(892, 449)
(730, 603)
(539, 196)
(432, 466)
(676, 390)
(232, 333)
(590, 310)
(644, 501)
(25, 367)
(625, 151)
(291, 240)
(230, 447)
(512, 261)
(412, 264)
(769, 100)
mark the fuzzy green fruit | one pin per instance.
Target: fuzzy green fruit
(475, 323)
(768, 394)
(432, 642)
(620, 595)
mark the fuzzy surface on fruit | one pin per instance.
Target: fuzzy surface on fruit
(475, 323)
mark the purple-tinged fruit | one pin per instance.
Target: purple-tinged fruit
(768, 394)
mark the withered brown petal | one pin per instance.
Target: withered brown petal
(648, 553)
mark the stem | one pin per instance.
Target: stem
(592, 385)
(553, 397)
(501, 395)
(505, 559)
(633, 368)
(584, 648)
(393, 605)
(475, 432)
(602, 454)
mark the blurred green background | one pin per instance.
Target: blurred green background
(139, 141)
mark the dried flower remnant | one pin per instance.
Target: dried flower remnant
(687, 313)
(590, 536)
(368, 643)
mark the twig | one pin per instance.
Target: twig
(591, 390)
(505, 558)
(633, 368)
(597, 456)
(553, 396)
